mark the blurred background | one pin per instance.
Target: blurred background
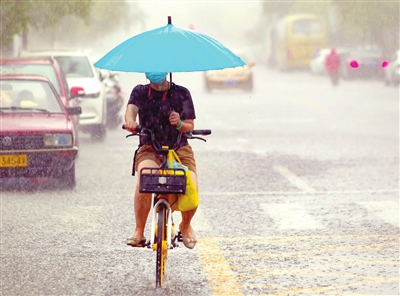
(99, 26)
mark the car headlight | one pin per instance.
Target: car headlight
(243, 74)
(92, 95)
(58, 140)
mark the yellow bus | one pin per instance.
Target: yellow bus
(295, 38)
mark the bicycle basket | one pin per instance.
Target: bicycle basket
(156, 180)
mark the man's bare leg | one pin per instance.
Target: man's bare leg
(187, 216)
(142, 201)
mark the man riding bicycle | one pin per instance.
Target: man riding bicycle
(167, 109)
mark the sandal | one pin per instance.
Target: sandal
(136, 241)
(189, 242)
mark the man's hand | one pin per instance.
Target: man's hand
(131, 126)
(174, 118)
(130, 118)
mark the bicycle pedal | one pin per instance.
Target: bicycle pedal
(179, 237)
(141, 245)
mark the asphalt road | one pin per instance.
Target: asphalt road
(299, 187)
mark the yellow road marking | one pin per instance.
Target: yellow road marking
(219, 270)
(219, 275)
(296, 254)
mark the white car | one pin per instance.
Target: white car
(79, 71)
(317, 64)
(392, 71)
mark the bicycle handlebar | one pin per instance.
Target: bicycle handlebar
(205, 132)
(145, 132)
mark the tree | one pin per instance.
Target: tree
(105, 18)
(276, 9)
(14, 19)
(18, 16)
(360, 22)
(370, 23)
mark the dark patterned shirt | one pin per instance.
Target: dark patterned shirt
(154, 111)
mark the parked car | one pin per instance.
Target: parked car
(392, 71)
(231, 78)
(48, 67)
(79, 70)
(361, 64)
(37, 138)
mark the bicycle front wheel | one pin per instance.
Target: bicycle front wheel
(161, 241)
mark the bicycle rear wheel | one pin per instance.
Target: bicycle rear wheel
(161, 241)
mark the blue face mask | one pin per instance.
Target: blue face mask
(156, 77)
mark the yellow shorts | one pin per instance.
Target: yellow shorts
(185, 154)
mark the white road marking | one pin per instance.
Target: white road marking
(293, 179)
(290, 216)
(388, 211)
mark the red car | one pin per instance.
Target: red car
(37, 136)
(47, 67)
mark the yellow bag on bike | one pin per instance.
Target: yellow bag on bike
(189, 200)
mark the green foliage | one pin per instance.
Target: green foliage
(14, 18)
(20, 15)
(105, 18)
(373, 23)
(277, 8)
(360, 22)
(47, 13)
(310, 6)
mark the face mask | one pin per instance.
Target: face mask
(156, 77)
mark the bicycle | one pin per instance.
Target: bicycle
(162, 182)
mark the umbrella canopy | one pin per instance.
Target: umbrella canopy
(169, 49)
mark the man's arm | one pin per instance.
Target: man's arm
(187, 125)
(181, 125)
(130, 117)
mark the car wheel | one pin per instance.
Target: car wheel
(67, 180)
(99, 132)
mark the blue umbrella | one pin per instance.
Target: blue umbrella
(169, 49)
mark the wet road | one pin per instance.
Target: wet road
(298, 188)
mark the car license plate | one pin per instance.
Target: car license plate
(13, 160)
(230, 82)
(370, 63)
